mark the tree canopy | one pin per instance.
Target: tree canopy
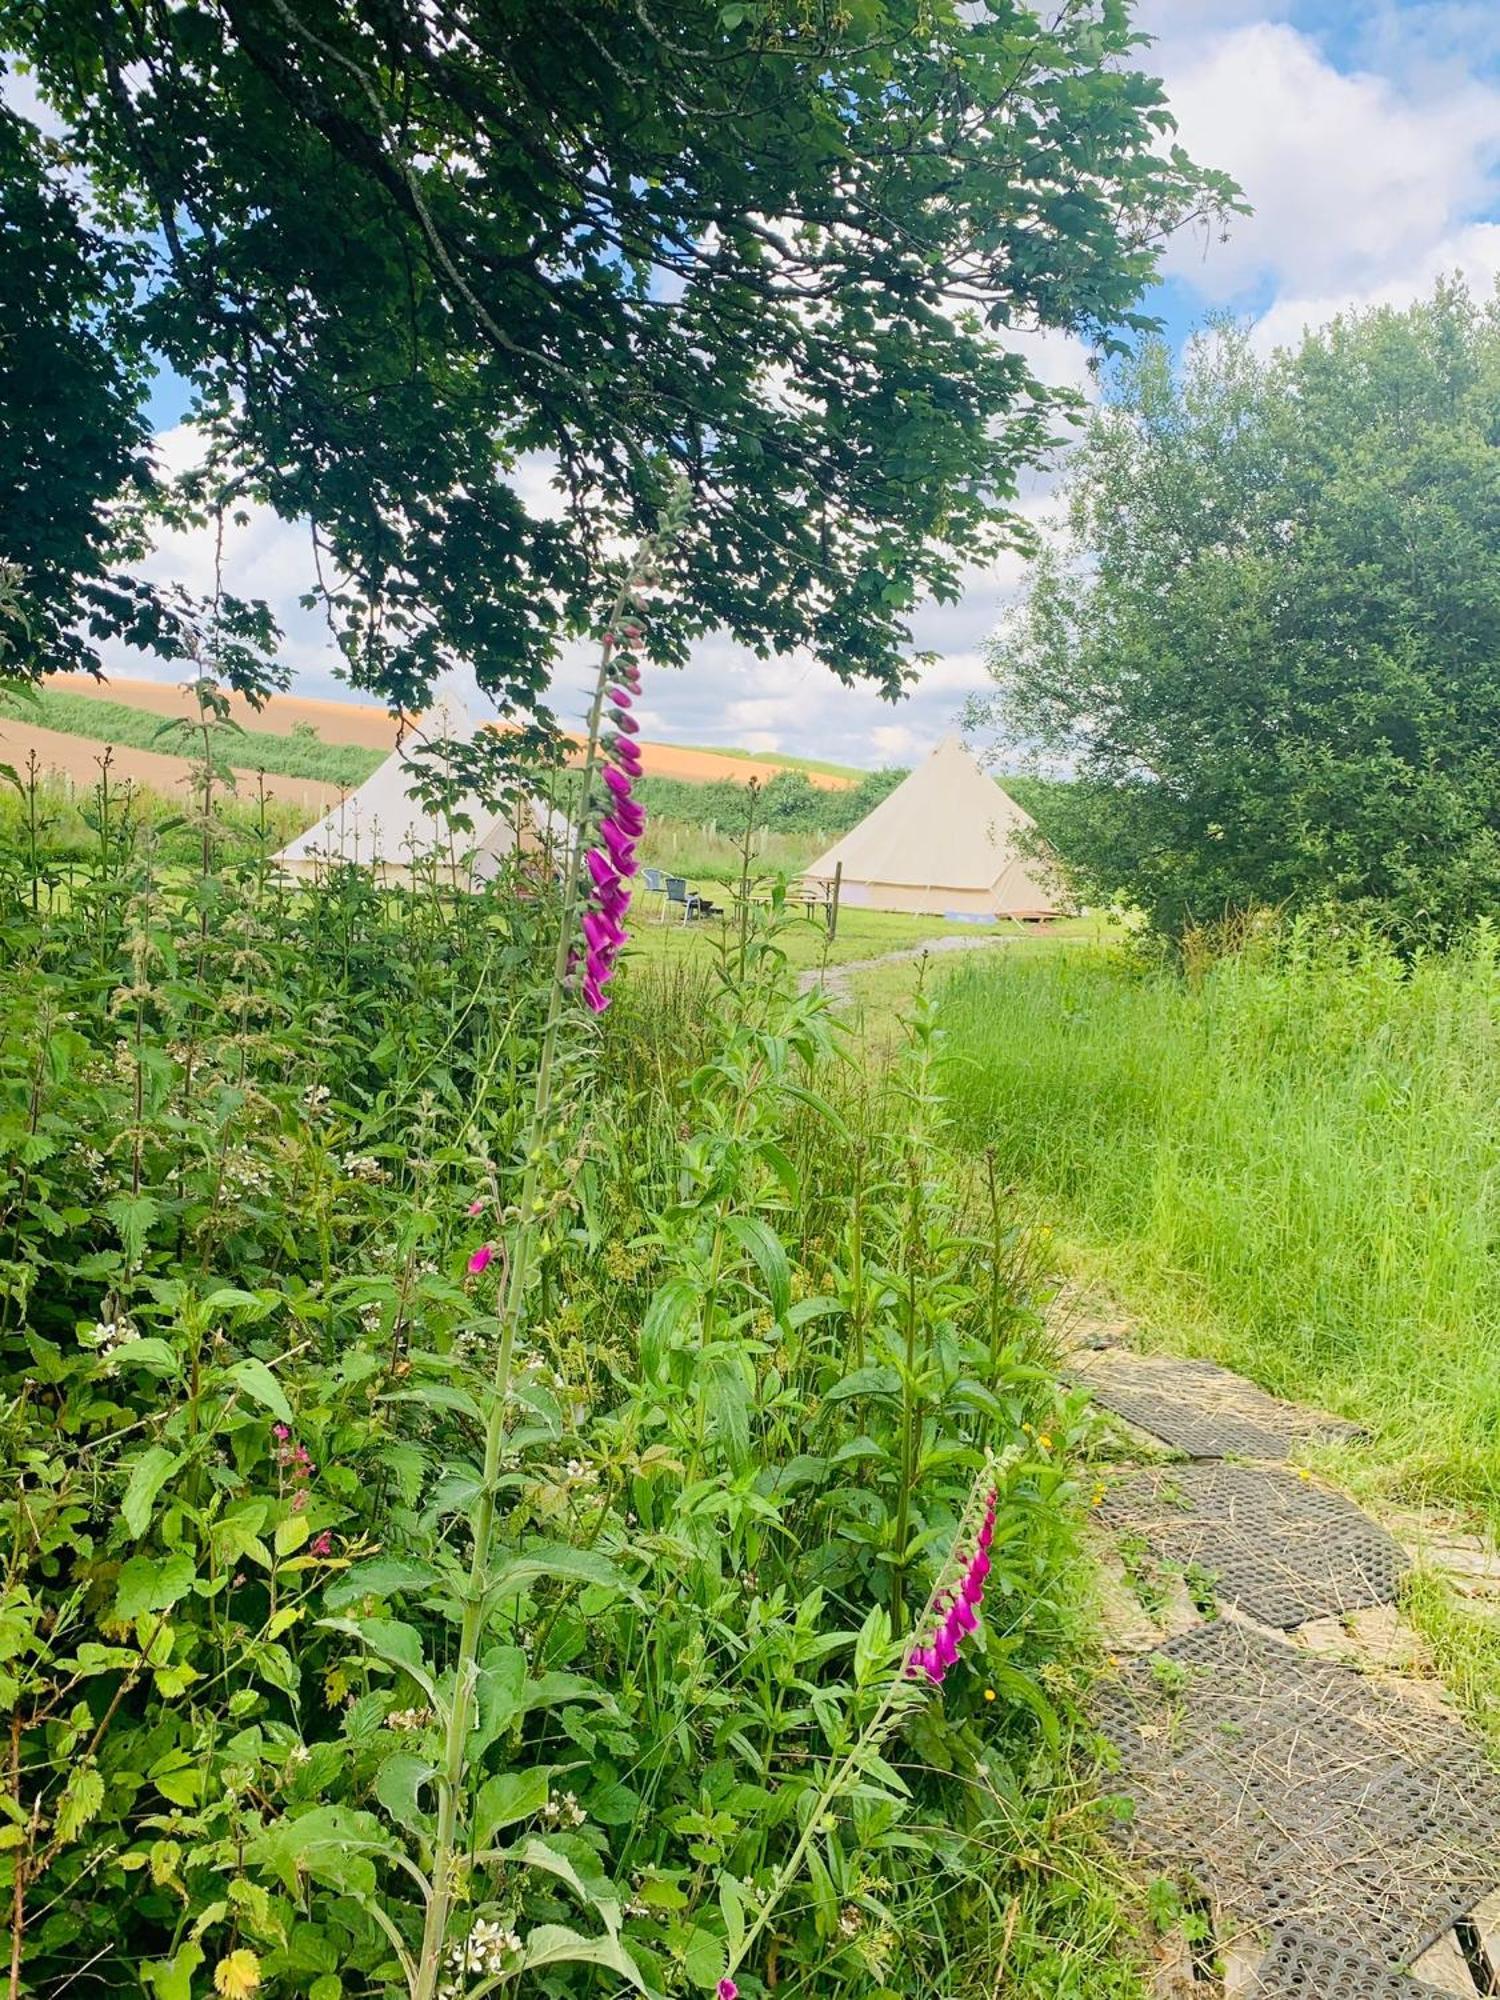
(407, 256)
(1268, 642)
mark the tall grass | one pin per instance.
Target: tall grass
(1291, 1156)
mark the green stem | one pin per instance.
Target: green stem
(901, 1691)
(447, 1858)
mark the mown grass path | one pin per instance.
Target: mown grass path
(1310, 1814)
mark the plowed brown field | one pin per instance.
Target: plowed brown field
(374, 729)
(77, 758)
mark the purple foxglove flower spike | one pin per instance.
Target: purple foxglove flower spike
(618, 781)
(625, 722)
(598, 865)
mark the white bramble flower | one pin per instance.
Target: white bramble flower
(484, 1950)
(565, 1811)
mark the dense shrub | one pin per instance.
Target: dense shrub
(250, 1142)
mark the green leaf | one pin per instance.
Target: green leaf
(389, 1640)
(172, 1978)
(1020, 1687)
(732, 1908)
(872, 1647)
(331, 1843)
(704, 1959)
(765, 1248)
(553, 1944)
(133, 1215)
(248, 1307)
(497, 1696)
(574, 1862)
(148, 1475)
(257, 1381)
(397, 1784)
(154, 1355)
(80, 1802)
(670, 1310)
(504, 1799)
(378, 1576)
(439, 1396)
(876, 1380)
(555, 1559)
(149, 1583)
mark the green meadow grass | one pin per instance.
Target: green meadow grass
(1290, 1162)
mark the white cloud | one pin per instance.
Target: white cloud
(1472, 253)
(1351, 180)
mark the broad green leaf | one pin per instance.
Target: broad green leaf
(379, 1576)
(1022, 1688)
(572, 1861)
(497, 1696)
(172, 1978)
(876, 1380)
(439, 1396)
(704, 1960)
(154, 1355)
(398, 1785)
(555, 1559)
(765, 1248)
(246, 1306)
(148, 1475)
(504, 1799)
(732, 1908)
(388, 1639)
(672, 1307)
(133, 1215)
(872, 1647)
(151, 1583)
(331, 1843)
(554, 1944)
(257, 1381)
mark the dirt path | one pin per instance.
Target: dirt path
(834, 979)
(1316, 1817)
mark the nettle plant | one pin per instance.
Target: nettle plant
(525, 1474)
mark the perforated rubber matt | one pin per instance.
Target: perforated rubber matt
(1299, 1966)
(1282, 1549)
(1302, 1794)
(1200, 1409)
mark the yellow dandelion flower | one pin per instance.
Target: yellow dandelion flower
(238, 1976)
(1045, 1442)
(989, 1694)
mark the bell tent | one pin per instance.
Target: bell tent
(943, 844)
(387, 827)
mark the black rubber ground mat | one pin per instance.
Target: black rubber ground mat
(1299, 1966)
(1278, 1546)
(1198, 1408)
(1299, 1793)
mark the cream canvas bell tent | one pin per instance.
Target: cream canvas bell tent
(387, 827)
(942, 844)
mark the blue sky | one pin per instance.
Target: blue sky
(1366, 134)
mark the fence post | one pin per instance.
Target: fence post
(833, 905)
